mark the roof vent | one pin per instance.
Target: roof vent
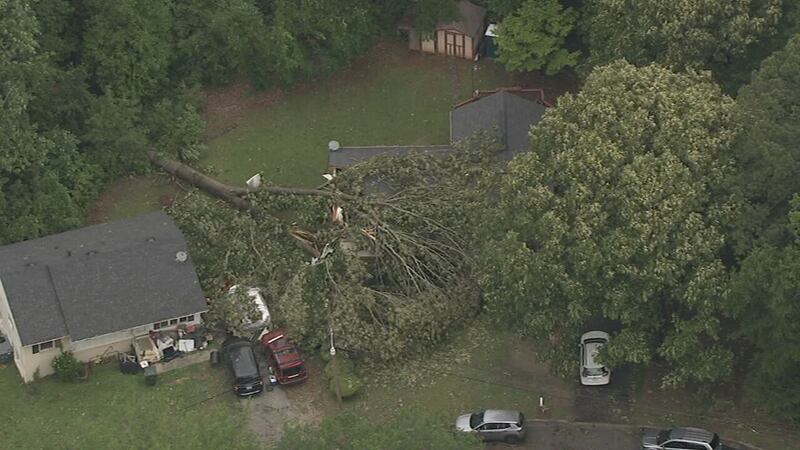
(151, 239)
(333, 146)
(91, 252)
(181, 257)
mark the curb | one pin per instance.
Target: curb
(619, 426)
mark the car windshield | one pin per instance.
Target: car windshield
(663, 436)
(595, 372)
(292, 371)
(2, 340)
(476, 420)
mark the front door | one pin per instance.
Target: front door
(454, 44)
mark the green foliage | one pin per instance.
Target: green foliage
(114, 132)
(767, 149)
(349, 383)
(737, 70)
(679, 34)
(44, 179)
(533, 37)
(128, 45)
(765, 293)
(214, 40)
(67, 367)
(411, 429)
(502, 8)
(427, 13)
(176, 128)
(617, 213)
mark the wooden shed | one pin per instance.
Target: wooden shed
(459, 38)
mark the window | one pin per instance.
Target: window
(44, 346)
(173, 321)
(187, 318)
(160, 325)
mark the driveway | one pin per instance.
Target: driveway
(557, 435)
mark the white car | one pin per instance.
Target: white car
(592, 372)
(265, 322)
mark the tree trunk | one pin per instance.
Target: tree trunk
(204, 182)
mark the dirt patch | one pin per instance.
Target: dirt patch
(269, 413)
(130, 196)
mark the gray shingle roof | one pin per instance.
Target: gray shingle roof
(349, 156)
(509, 114)
(99, 279)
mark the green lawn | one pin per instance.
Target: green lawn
(388, 97)
(116, 411)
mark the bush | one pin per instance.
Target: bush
(67, 367)
(350, 384)
(349, 381)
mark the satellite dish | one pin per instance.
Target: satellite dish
(254, 182)
(333, 146)
(181, 256)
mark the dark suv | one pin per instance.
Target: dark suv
(241, 360)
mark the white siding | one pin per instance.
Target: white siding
(87, 350)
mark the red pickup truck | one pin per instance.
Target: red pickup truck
(284, 358)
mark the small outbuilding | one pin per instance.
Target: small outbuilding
(460, 37)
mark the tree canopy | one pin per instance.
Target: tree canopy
(533, 37)
(768, 148)
(617, 214)
(679, 34)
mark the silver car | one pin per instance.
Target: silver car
(680, 439)
(592, 372)
(494, 425)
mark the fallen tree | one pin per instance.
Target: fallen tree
(388, 270)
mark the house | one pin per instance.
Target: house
(93, 290)
(459, 38)
(510, 112)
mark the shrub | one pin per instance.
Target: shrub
(349, 381)
(350, 384)
(67, 367)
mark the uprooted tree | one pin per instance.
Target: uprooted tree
(380, 254)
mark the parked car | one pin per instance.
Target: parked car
(6, 350)
(284, 358)
(241, 360)
(494, 425)
(265, 320)
(592, 372)
(680, 439)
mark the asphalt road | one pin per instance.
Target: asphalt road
(576, 436)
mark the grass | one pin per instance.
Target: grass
(389, 97)
(479, 368)
(116, 411)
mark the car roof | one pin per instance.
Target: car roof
(691, 434)
(500, 415)
(243, 360)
